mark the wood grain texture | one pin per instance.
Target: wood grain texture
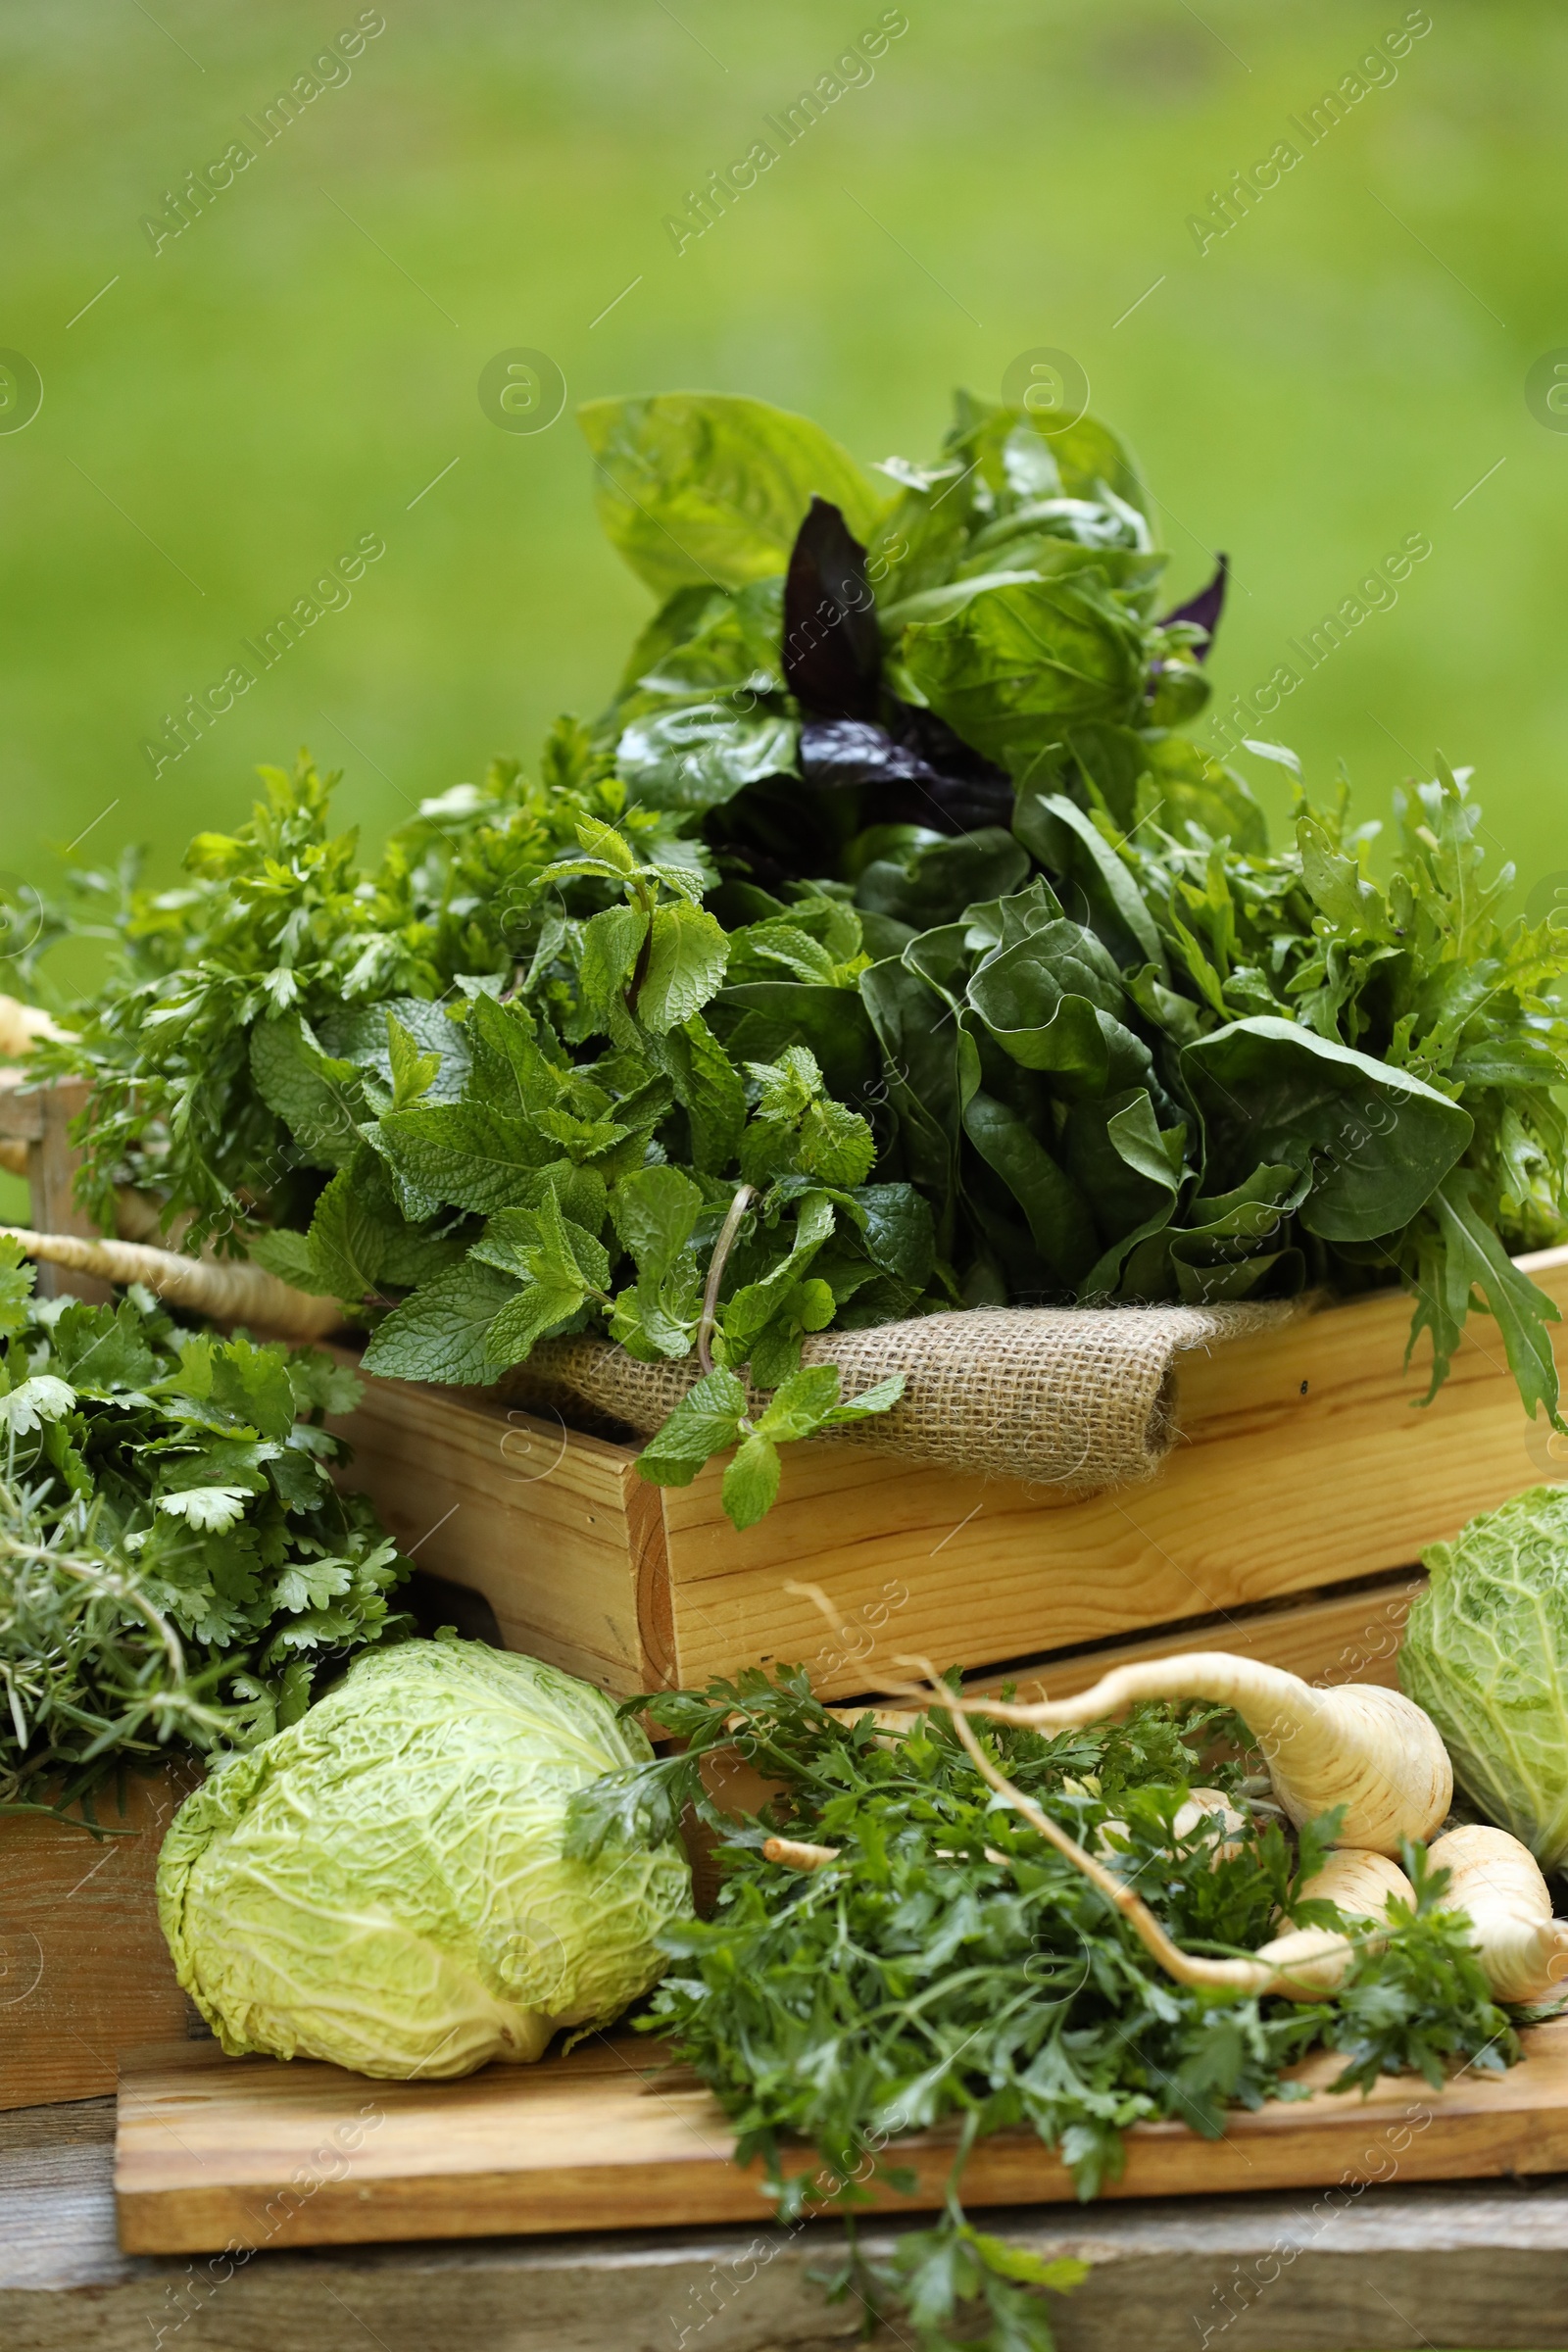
(52, 1163)
(84, 1971)
(215, 2151)
(1304, 1461)
(1484, 2262)
(1349, 1637)
(556, 1528)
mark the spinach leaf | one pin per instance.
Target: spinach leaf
(1376, 1141)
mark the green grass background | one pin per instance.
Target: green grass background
(236, 408)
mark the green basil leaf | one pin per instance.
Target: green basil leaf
(709, 488)
(700, 754)
(1021, 663)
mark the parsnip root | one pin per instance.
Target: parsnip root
(1311, 1963)
(1374, 1751)
(239, 1292)
(22, 1026)
(1497, 1880)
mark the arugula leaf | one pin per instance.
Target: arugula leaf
(1473, 1258)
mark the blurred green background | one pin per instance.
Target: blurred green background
(294, 369)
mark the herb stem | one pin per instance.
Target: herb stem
(715, 1274)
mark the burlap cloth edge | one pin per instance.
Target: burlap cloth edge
(1075, 1398)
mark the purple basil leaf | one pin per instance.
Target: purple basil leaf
(1204, 609)
(900, 785)
(832, 647)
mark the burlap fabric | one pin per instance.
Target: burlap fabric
(1069, 1397)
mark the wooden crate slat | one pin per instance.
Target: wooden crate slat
(1277, 1487)
(85, 1971)
(556, 1528)
(1349, 1637)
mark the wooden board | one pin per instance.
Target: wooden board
(220, 2152)
(1304, 1461)
(84, 1971)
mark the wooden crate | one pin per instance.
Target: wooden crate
(84, 1971)
(1304, 1466)
(35, 1123)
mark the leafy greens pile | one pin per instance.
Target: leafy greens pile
(884, 946)
(174, 1560)
(952, 1964)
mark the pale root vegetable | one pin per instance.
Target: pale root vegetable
(1310, 1964)
(229, 1291)
(1238, 1976)
(22, 1026)
(1496, 1881)
(1197, 1807)
(1371, 1750)
(796, 1853)
(1201, 1805)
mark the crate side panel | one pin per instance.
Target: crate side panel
(534, 1516)
(1305, 1462)
(1352, 1638)
(85, 1971)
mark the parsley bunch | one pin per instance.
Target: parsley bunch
(951, 1964)
(174, 1559)
(279, 922)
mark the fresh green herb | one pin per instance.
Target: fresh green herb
(950, 1963)
(175, 1558)
(885, 924)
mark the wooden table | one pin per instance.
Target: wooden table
(1481, 2267)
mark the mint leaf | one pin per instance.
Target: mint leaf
(439, 1333)
(288, 1256)
(686, 959)
(653, 1212)
(412, 1072)
(511, 1072)
(462, 1153)
(347, 1246)
(544, 1305)
(317, 1096)
(603, 840)
(610, 944)
(751, 1481)
(707, 1421)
